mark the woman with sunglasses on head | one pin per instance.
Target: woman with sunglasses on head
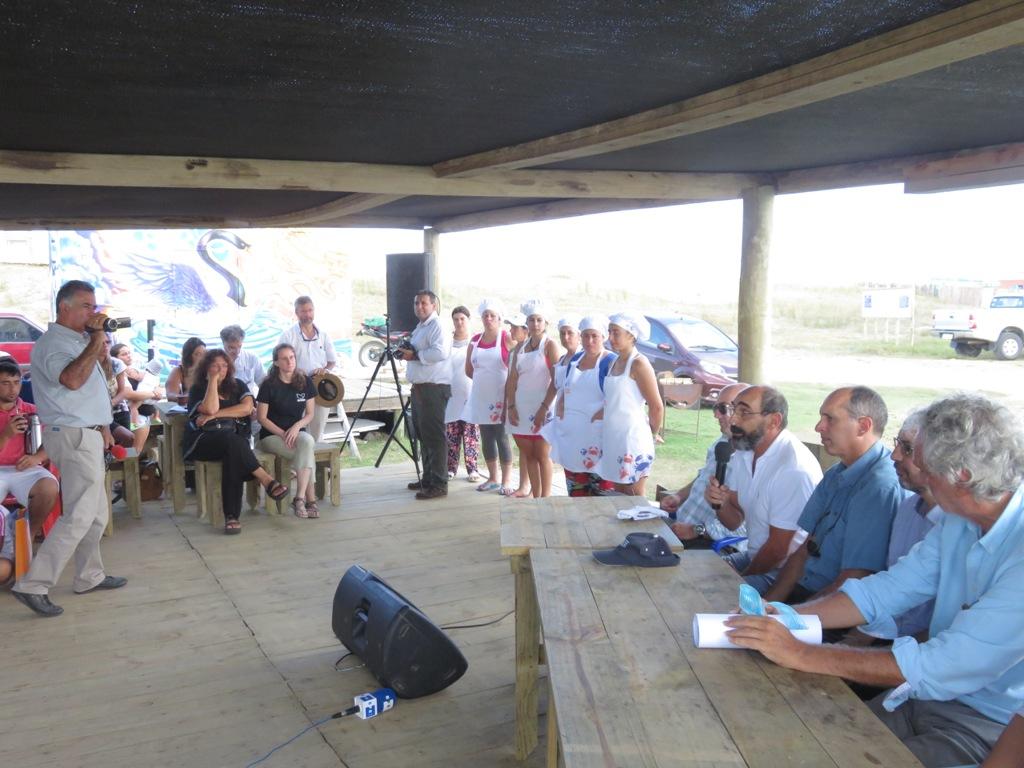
(218, 429)
(530, 377)
(284, 408)
(629, 432)
(576, 432)
(462, 435)
(487, 365)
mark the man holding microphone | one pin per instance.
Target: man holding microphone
(430, 375)
(72, 401)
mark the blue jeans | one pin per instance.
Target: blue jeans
(761, 582)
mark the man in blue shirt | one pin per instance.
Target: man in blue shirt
(849, 515)
(952, 695)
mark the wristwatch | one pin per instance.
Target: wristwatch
(700, 529)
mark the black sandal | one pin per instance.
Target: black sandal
(232, 527)
(276, 490)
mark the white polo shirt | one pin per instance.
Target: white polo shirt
(312, 353)
(58, 406)
(249, 369)
(775, 491)
(433, 346)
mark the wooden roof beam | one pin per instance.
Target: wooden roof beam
(168, 172)
(971, 30)
(556, 209)
(321, 214)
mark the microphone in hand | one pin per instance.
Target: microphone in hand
(723, 452)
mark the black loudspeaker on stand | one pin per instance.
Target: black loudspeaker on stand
(407, 273)
(400, 646)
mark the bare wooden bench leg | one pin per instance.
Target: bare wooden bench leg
(527, 656)
(336, 476)
(132, 486)
(108, 484)
(283, 473)
(208, 492)
(252, 487)
(552, 729)
(328, 469)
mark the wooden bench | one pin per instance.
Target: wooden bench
(127, 471)
(628, 687)
(210, 499)
(327, 473)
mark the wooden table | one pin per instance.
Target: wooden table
(628, 688)
(554, 523)
(174, 419)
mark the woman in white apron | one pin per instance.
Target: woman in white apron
(577, 428)
(463, 436)
(487, 365)
(569, 336)
(529, 379)
(629, 432)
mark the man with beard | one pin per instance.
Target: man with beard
(696, 521)
(850, 513)
(774, 476)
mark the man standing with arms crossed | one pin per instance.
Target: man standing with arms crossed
(72, 401)
(430, 375)
(314, 354)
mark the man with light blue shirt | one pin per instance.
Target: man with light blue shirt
(952, 695)
(430, 375)
(849, 515)
(74, 408)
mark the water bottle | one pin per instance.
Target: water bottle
(33, 435)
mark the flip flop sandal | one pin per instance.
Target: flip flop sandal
(232, 528)
(299, 508)
(277, 491)
(312, 509)
(506, 491)
(488, 486)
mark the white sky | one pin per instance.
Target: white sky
(841, 237)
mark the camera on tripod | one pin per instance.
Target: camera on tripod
(392, 350)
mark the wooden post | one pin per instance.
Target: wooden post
(432, 247)
(755, 305)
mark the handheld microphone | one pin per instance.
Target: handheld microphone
(723, 452)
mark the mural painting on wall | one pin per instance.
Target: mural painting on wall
(193, 282)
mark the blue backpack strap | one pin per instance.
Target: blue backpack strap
(603, 368)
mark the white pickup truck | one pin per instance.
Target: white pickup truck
(999, 327)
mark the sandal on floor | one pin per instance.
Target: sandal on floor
(312, 509)
(506, 491)
(232, 527)
(299, 508)
(276, 490)
(488, 486)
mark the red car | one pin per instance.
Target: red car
(17, 335)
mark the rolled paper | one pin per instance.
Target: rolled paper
(709, 630)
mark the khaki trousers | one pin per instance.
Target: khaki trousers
(319, 423)
(78, 454)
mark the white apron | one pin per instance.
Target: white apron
(486, 404)
(534, 378)
(627, 442)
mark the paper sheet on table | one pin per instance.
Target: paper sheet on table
(709, 630)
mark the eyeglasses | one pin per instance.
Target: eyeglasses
(724, 409)
(745, 413)
(904, 445)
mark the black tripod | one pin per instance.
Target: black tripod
(389, 355)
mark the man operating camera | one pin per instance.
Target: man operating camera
(430, 376)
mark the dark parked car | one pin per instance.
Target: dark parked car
(691, 347)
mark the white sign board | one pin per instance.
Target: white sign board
(888, 303)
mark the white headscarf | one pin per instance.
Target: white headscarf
(597, 323)
(493, 305)
(633, 323)
(517, 320)
(570, 321)
(536, 307)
